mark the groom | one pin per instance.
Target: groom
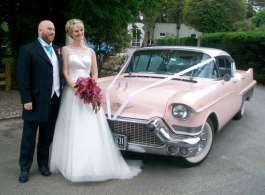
(39, 74)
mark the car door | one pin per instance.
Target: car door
(229, 89)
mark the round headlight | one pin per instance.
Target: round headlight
(180, 112)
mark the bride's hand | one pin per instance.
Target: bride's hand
(74, 89)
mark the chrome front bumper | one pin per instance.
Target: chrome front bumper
(154, 136)
(186, 146)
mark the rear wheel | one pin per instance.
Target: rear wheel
(205, 146)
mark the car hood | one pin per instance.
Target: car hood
(148, 103)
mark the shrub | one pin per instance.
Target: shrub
(246, 48)
(175, 41)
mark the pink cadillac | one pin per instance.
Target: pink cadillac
(172, 100)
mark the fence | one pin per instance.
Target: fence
(7, 77)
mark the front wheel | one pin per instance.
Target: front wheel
(205, 146)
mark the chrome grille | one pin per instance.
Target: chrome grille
(136, 133)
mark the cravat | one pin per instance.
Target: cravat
(49, 49)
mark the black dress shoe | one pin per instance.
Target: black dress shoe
(23, 176)
(45, 171)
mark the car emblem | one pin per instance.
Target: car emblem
(115, 106)
(125, 87)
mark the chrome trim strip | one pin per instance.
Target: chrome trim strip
(146, 146)
(131, 120)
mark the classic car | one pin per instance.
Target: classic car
(172, 100)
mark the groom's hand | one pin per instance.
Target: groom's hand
(28, 106)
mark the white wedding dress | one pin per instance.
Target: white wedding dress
(83, 148)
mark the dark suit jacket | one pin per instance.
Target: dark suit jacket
(35, 79)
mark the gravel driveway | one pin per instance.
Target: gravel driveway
(10, 106)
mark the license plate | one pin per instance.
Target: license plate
(120, 141)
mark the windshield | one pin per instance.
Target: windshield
(170, 62)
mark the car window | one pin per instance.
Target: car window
(207, 71)
(148, 63)
(230, 66)
(226, 65)
(165, 61)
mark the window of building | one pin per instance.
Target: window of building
(162, 34)
(193, 35)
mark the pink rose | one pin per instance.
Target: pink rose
(89, 92)
(59, 51)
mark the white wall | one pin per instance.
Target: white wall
(170, 29)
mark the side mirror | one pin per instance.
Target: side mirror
(226, 77)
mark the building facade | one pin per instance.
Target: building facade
(161, 30)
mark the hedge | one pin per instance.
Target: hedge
(174, 41)
(246, 48)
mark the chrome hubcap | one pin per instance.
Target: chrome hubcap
(202, 142)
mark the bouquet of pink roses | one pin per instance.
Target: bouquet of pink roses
(89, 92)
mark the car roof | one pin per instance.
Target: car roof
(210, 51)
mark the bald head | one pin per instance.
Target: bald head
(46, 31)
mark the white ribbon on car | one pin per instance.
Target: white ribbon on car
(144, 88)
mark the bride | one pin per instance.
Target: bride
(83, 148)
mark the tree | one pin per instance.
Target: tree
(23, 17)
(154, 10)
(210, 16)
(150, 11)
(259, 18)
(105, 21)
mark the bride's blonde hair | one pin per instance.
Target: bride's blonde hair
(69, 26)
